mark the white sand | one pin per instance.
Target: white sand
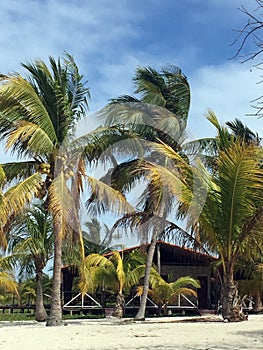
(161, 334)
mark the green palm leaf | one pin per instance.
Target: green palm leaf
(38, 141)
(18, 92)
(17, 196)
(19, 170)
(61, 203)
(2, 176)
(108, 198)
(7, 281)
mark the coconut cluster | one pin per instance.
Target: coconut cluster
(44, 168)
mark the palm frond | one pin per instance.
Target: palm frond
(18, 93)
(78, 93)
(168, 88)
(166, 182)
(61, 203)
(19, 170)
(36, 138)
(185, 281)
(17, 196)
(224, 139)
(134, 276)
(98, 260)
(243, 133)
(108, 198)
(2, 176)
(7, 281)
(240, 179)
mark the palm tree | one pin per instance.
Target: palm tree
(30, 246)
(38, 114)
(119, 273)
(38, 117)
(229, 222)
(165, 293)
(159, 125)
(160, 115)
(28, 289)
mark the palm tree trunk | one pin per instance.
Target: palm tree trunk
(55, 317)
(40, 314)
(119, 306)
(141, 312)
(258, 302)
(165, 310)
(231, 303)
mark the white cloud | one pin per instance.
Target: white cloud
(105, 39)
(32, 29)
(228, 90)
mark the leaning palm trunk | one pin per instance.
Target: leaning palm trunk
(141, 312)
(231, 303)
(119, 306)
(55, 317)
(40, 314)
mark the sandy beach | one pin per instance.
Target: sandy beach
(161, 334)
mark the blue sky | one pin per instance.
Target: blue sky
(111, 38)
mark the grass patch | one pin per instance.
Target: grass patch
(16, 317)
(83, 317)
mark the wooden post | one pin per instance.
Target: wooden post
(158, 257)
